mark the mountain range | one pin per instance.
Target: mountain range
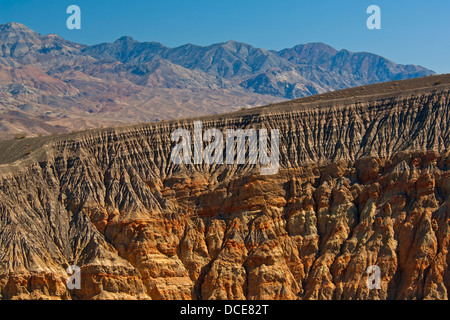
(51, 85)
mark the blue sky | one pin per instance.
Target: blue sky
(412, 32)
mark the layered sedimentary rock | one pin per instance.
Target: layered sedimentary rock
(363, 180)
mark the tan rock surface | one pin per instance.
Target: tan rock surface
(363, 181)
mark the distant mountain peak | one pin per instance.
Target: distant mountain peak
(19, 41)
(316, 45)
(237, 44)
(48, 72)
(126, 39)
(314, 52)
(302, 70)
(53, 36)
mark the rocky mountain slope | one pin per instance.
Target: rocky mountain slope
(363, 180)
(51, 85)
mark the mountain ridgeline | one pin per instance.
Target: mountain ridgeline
(290, 73)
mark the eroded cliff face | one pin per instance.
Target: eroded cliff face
(361, 182)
